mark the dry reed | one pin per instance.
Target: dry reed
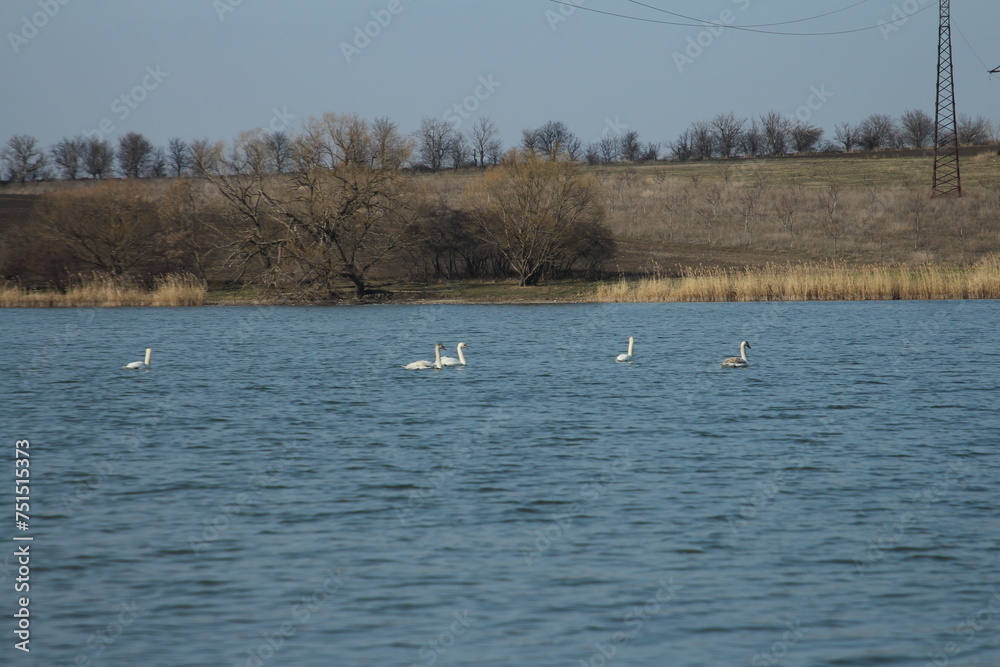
(814, 282)
(104, 292)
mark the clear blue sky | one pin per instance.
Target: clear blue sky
(212, 68)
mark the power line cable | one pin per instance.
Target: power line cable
(746, 29)
(969, 44)
(752, 25)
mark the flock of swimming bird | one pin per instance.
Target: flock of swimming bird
(441, 362)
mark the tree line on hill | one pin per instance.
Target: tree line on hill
(342, 201)
(439, 144)
(771, 134)
(333, 207)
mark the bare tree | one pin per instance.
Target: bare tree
(460, 151)
(135, 153)
(533, 210)
(786, 208)
(608, 149)
(681, 148)
(191, 225)
(206, 156)
(254, 235)
(804, 137)
(651, 151)
(342, 209)
(530, 140)
(157, 167)
(916, 128)
(702, 141)
(775, 129)
(877, 131)
(873, 209)
(23, 159)
(68, 155)
(847, 135)
(629, 147)
(112, 228)
(710, 212)
(99, 159)
(749, 201)
(555, 140)
(751, 141)
(726, 129)
(434, 141)
(280, 145)
(974, 131)
(495, 153)
(485, 141)
(830, 215)
(178, 157)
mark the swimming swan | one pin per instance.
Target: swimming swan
(141, 364)
(740, 361)
(626, 357)
(452, 361)
(426, 364)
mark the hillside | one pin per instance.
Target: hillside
(667, 216)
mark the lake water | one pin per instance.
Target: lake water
(277, 490)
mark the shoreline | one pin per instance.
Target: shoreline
(829, 281)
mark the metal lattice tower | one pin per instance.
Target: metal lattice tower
(947, 177)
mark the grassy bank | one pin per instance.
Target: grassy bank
(772, 282)
(100, 292)
(814, 282)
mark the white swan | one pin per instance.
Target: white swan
(452, 361)
(740, 361)
(628, 356)
(141, 364)
(416, 365)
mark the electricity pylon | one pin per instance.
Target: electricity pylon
(947, 177)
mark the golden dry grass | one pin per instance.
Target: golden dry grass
(179, 290)
(107, 292)
(814, 282)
